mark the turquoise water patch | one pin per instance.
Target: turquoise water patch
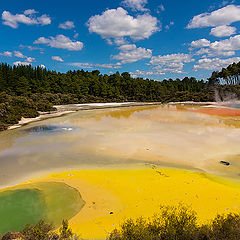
(234, 106)
(50, 201)
(46, 129)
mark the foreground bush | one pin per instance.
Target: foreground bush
(42, 231)
(178, 223)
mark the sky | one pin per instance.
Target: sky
(154, 39)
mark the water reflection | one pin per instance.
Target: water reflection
(46, 129)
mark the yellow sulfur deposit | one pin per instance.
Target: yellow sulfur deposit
(113, 195)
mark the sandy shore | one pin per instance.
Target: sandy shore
(113, 195)
(44, 116)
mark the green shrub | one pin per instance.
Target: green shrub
(178, 223)
(40, 231)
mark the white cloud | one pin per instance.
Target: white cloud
(42, 66)
(116, 23)
(135, 5)
(130, 53)
(30, 59)
(31, 48)
(57, 58)
(220, 17)
(28, 18)
(226, 47)
(119, 41)
(19, 54)
(127, 47)
(172, 63)
(44, 20)
(6, 54)
(214, 63)
(200, 43)
(214, 53)
(60, 41)
(30, 12)
(223, 31)
(19, 63)
(140, 73)
(108, 65)
(98, 65)
(67, 25)
(231, 44)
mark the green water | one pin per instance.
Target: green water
(19, 207)
(28, 205)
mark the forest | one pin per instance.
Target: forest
(24, 90)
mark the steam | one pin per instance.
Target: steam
(225, 96)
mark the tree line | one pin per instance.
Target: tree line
(25, 80)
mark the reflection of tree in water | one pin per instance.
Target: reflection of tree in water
(127, 112)
(99, 114)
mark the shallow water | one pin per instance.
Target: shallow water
(172, 136)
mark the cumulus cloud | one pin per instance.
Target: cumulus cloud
(116, 23)
(200, 43)
(231, 44)
(214, 63)
(135, 5)
(42, 66)
(220, 17)
(27, 18)
(60, 41)
(226, 47)
(130, 53)
(67, 25)
(57, 58)
(6, 54)
(223, 31)
(172, 63)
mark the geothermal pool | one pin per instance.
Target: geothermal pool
(149, 149)
(175, 136)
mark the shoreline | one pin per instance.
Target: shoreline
(71, 108)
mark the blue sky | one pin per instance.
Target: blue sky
(154, 39)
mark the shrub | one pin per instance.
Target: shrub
(178, 223)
